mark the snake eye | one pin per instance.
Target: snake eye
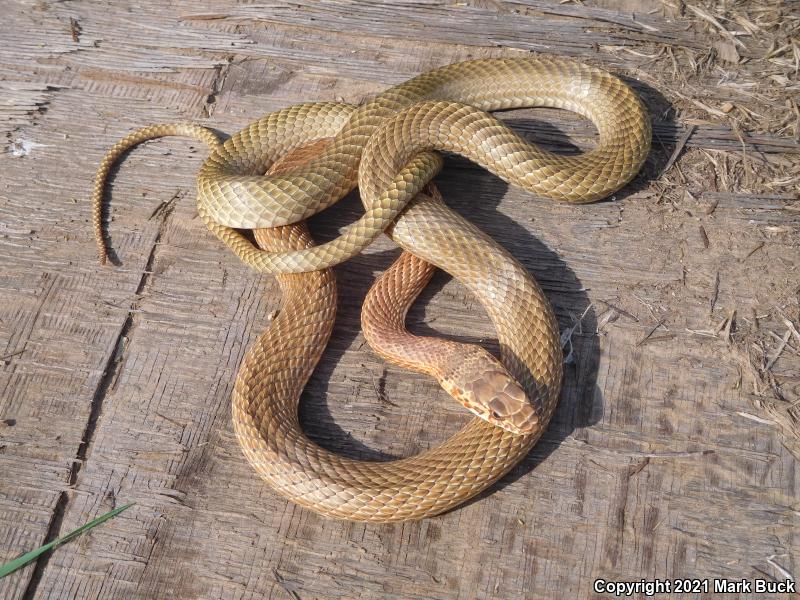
(497, 415)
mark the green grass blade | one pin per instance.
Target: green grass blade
(23, 560)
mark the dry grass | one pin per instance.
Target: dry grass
(774, 381)
(746, 78)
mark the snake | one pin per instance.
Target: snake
(390, 148)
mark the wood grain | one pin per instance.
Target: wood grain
(115, 382)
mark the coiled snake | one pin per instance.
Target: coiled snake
(386, 147)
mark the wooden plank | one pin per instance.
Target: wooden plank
(671, 453)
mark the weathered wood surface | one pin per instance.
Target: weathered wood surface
(674, 449)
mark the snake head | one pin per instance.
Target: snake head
(481, 383)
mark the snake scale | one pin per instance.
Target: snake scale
(314, 154)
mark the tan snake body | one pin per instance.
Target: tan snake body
(386, 145)
(232, 193)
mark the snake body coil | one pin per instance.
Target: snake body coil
(387, 148)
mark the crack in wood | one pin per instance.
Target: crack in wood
(110, 375)
(221, 73)
(53, 530)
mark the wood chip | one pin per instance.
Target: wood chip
(727, 52)
(779, 350)
(75, 30)
(755, 418)
(704, 236)
(753, 251)
(649, 333)
(715, 293)
(678, 148)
